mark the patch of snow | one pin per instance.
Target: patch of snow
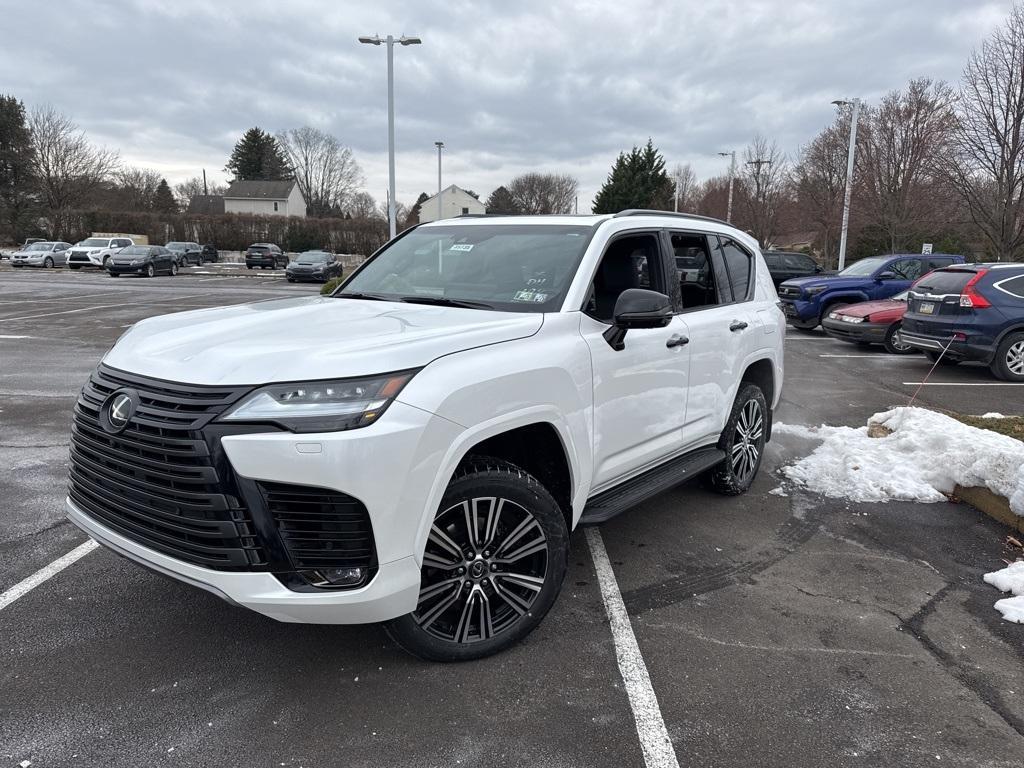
(1009, 579)
(992, 415)
(925, 457)
(1012, 609)
(780, 491)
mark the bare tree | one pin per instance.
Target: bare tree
(544, 193)
(987, 161)
(135, 188)
(685, 182)
(361, 205)
(67, 166)
(184, 191)
(819, 181)
(763, 183)
(899, 147)
(325, 169)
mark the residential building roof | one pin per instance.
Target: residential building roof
(207, 205)
(260, 190)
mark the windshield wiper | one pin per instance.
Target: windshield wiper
(367, 296)
(444, 301)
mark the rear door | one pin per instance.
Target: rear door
(933, 305)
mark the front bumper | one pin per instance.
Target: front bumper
(867, 333)
(392, 592)
(35, 261)
(126, 269)
(85, 260)
(309, 276)
(391, 467)
(798, 309)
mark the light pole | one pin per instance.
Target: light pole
(732, 176)
(390, 41)
(855, 103)
(440, 146)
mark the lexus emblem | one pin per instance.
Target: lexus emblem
(120, 408)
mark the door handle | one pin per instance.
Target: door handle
(737, 325)
(675, 340)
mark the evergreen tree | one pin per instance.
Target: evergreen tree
(414, 212)
(257, 155)
(501, 201)
(17, 201)
(637, 180)
(163, 200)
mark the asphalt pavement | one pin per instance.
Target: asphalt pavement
(777, 630)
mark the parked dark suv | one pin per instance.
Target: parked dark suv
(974, 312)
(807, 300)
(787, 265)
(210, 253)
(265, 255)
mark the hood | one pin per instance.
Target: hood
(831, 281)
(307, 338)
(865, 308)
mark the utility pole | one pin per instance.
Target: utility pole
(440, 146)
(390, 42)
(205, 190)
(732, 178)
(855, 103)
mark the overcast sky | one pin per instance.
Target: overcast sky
(508, 86)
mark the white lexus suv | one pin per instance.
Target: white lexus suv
(418, 452)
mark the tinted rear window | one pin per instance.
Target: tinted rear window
(944, 281)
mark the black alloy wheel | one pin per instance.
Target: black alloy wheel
(494, 563)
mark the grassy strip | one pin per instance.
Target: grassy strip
(1012, 426)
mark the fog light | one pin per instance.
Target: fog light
(336, 577)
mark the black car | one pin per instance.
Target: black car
(785, 265)
(186, 253)
(320, 266)
(970, 312)
(147, 260)
(264, 256)
(210, 253)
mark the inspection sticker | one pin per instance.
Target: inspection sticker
(461, 247)
(533, 296)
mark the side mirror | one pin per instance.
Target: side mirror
(887, 275)
(637, 308)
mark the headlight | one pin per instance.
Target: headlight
(815, 290)
(135, 262)
(322, 406)
(852, 319)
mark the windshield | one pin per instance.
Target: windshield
(135, 250)
(316, 257)
(176, 246)
(40, 247)
(95, 242)
(864, 266)
(510, 267)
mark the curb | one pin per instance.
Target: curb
(996, 507)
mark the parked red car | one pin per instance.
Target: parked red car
(870, 322)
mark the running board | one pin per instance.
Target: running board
(607, 504)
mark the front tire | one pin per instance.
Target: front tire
(1008, 364)
(47, 263)
(892, 343)
(803, 325)
(494, 563)
(150, 271)
(174, 269)
(743, 441)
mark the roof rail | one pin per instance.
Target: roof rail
(646, 212)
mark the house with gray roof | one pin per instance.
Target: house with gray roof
(265, 198)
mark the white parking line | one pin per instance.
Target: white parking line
(15, 337)
(25, 586)
(808, 338)
(961, 384)
(650, 725)
(901, 358)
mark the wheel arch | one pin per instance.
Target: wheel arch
(761, 373)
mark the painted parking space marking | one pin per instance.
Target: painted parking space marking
(961, 384)
(14, 337)
(879, 357)
(45, 573)
(650, 725)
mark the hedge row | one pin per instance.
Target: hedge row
(230, 232)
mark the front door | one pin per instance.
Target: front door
(639, 391)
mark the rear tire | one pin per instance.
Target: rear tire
(485, 586)
(112, 274)
(892, 342)
(1008, 363)
(743, 441)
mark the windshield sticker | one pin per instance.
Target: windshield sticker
(461, 247)
(534, 297)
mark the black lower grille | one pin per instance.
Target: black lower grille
(321, 528)
(156, 482)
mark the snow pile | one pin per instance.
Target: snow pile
(992, 415)
(926, 455)
(1010, 579)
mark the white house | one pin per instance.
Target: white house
(267, 198)
(455, 201)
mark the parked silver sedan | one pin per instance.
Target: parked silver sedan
(45, 254)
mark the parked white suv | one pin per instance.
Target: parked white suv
(419, 453)
(94, 251)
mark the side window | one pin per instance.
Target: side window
(1013, 286)
(797, 261)
(694, 268)
(931, 264)
(906, 269)
(275, 206)
(628, 262)
(774, 260)
(738, 265)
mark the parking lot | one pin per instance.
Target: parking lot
(777, 630)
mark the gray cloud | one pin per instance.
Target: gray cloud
(508, 86)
